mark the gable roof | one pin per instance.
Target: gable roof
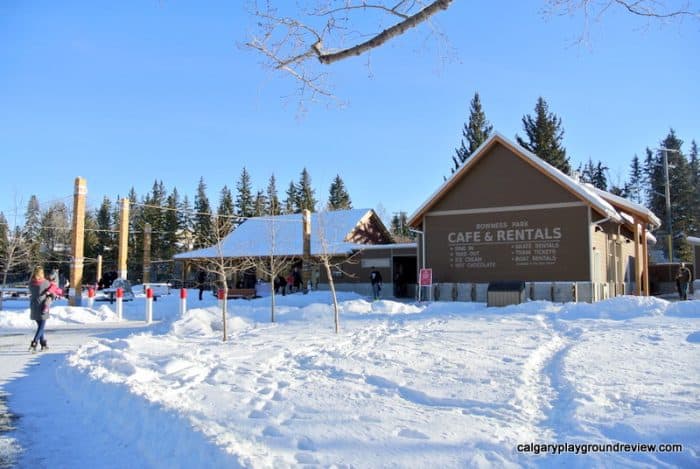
(282, 236)
(591, 197)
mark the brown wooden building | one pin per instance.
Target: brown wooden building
(508, 215)
(356, 240)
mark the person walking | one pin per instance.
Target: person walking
(375, 277)
(683, 279)
(201, 282)
(41, 293)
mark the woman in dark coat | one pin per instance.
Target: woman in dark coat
(39, 304)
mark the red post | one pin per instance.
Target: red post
(221, 294)
(149, 293)
(183, 293)
(120, 293)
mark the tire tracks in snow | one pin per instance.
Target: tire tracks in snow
(544, 398)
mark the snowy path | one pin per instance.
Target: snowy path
(54, 423)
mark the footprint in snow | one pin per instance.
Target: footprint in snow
(272, 432)
(414, 434)
(257, 414)
(305, 458)
(306, 444)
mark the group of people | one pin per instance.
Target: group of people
(293, 282)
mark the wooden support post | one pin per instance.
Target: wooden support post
(645, 261)
(123, 238)
(99, 269)
(147, 253)
(306, 257)
(77, 241)
(637, 261)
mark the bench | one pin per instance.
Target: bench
(246, 293)
(159, 289)
(14, 293)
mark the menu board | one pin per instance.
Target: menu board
(529, 244)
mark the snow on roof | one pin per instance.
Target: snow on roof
(627, 204)
(577, 188)
(282, 236)
(391, 246)
(693, 240)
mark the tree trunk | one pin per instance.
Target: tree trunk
(336, 315)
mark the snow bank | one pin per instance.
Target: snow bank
(459, 384)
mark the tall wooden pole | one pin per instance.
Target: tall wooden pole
(306, 255)
(98, 274)
(645, 260)
(147, 253)
(77, 241)
(638, 261)
(123, 238)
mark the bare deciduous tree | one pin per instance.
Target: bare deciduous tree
(299, 38)
(294, 38)
(276, 262)
(221, 265)
(329, 259)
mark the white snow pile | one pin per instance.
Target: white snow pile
(439, 384)
(60, 315)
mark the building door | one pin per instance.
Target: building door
(405, 276)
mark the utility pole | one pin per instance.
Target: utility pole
(668, 207)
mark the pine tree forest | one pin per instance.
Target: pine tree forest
(42, 236)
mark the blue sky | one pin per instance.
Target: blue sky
(123, 93)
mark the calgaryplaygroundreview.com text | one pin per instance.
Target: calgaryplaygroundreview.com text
(586, 448)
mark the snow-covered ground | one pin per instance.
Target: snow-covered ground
(442, 384)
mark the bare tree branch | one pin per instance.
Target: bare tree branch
(290, 42)
(655, 9)
(384, 36)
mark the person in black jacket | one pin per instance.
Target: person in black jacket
(201, 282)
(375, 277)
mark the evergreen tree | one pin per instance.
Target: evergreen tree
(4, 238)
(106, 238)
(171, 226)
(225, 203)
(225, 212)
(594, 173)
(339, 199)
(260, 204)
(694, 168)
(291, 203)
(399, 227)
(681, 195)
(55, 235)
(138, 215)
(544, 136)
(152, 213)
(273, 201)
(32, 231)
(244, 197)
(636, 181)
(203, 226)
(475, 133)
(653, 177)
(186, 224)
(306, 194)
(91, 246)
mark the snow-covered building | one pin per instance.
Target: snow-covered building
(508, 215)
(356, 240)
